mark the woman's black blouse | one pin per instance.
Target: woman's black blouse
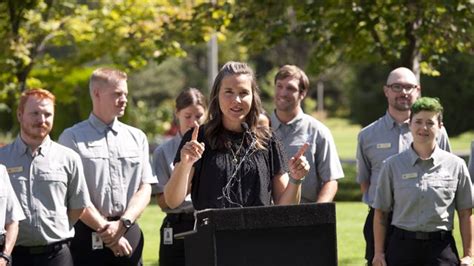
(212, 185)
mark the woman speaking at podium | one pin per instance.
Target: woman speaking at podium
(230, 161)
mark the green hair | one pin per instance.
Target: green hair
(427, 104)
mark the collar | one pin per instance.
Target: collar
(21, 148)
(101, 127)
(276, 123)
(435, 156)
(389, 122)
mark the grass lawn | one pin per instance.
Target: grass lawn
(350, 241)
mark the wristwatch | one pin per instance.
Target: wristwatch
(7, 257)
(127, 223)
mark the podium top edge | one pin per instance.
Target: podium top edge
(314, 206)
(310, 214)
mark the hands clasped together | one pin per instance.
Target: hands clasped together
(112, 236)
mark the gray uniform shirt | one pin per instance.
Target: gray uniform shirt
(47, 185)
(115, 159)
(471, 160)
(321, 154)
(380, 140)
(10, 209)
(163, 158)
(423, 194)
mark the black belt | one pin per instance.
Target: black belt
(404, 234)
(177, 217)
(36, 250)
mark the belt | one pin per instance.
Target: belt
(404, 234)
(46, 249)
(177, 217)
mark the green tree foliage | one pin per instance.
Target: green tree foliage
(455, 89)
(352, 45)
(415, 34)
(45, 43)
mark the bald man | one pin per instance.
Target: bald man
(387, 136)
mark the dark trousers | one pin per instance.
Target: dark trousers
(173, 255)
(405, 249)
(53, 255)
(369, 234)
(81, 248)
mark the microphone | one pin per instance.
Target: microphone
(247, 131)
(245, 126)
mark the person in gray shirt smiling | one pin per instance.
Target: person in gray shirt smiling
(48, 181)
(385, 137)
(423, 186)
(294, 128)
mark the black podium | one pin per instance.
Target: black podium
(296, 235)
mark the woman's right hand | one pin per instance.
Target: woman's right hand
(192, 150)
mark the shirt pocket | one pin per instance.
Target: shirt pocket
(96, 149)
(51, 189)
(130, 163)
(3, 198)
(406, 190)
(443, 188)
(19, 185)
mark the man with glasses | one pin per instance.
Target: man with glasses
(387, 136)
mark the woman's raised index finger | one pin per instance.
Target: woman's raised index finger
(301, 151)
(195, 131)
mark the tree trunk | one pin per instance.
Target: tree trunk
(411, 55)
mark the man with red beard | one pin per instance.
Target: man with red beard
(48, 181)
(118, 174)
(295, 128)
(387, 136)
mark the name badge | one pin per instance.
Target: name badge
(409, 175)
(168, 236)
(13, 170)
(384, 145)
(94, 143)
(97, 241)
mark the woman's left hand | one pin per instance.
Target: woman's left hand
(299, 167)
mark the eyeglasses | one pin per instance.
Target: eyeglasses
(397, 87)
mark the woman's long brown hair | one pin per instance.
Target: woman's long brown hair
(215, 126)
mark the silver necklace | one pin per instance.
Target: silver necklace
(235, 155)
